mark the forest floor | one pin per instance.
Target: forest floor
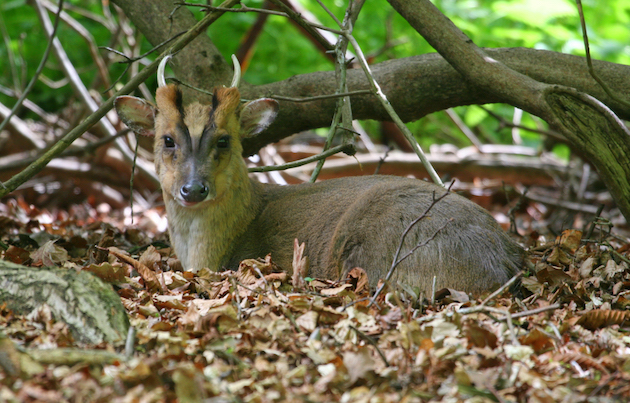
(260, 335)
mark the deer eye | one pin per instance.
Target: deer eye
(223, 142)
(169, 142)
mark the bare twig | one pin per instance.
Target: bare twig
(30, 157)
(372, 342)
(304, 24)
(242, 9)
(130, 60)
(304, 161)
(396, 260)
(83, 93)
(502, 288)
(589, 62)
(505, 123)
(320, 97)
(130, 342)
(511, 212)
(85, 34)
(343, 111)
(530, 312)
(245, 9)
(42, 63)
(381, 161)
(462, 127)
(388, 107)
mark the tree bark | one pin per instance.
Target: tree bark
(90, 308)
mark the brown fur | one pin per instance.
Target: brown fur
(345, 223)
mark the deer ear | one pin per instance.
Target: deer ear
(137, 114)
(257, 115)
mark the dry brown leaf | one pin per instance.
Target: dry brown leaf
(222, 318)
(150, 258)
(479, 336)
(583, 360)
(449, 295)
(49, 254)
(359, 278)
(108, 272)
(16, 254)
(570, 240)
(300, 265)
(612, 268)
(391, 319)
(538, 340)
(358, 364)
(553, 276)
(587, 266)
(150, 278)
(169, 302)
(558, 257)
(335, 290)
(307, 321)
(598, 319)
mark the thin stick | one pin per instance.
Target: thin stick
(589, 62)
(72, 152)
(320, 97)
(133, 170)
(502, 288)
(304, 161)
(396, 261)
(245, 9)
(508, 124)
(372, 342)
(343, 111)
(39, 70)
(392, 113)
(535, 311)
(310, 28)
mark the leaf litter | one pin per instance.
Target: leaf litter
(258, 334)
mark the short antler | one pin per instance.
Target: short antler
(237, 72)
(236, 80)
(160, 71)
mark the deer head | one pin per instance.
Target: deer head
(197, 148)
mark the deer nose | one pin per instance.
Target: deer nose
(194, 191)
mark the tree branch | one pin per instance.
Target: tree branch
(420, 85)
(585, 121)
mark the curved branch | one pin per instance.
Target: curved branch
(584, 120)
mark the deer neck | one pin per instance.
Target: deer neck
(203, 235)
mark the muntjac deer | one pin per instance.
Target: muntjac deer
(219, 216)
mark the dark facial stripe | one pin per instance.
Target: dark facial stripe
(179, 102)
(207, 134)
(215, 101)
(183, 129)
